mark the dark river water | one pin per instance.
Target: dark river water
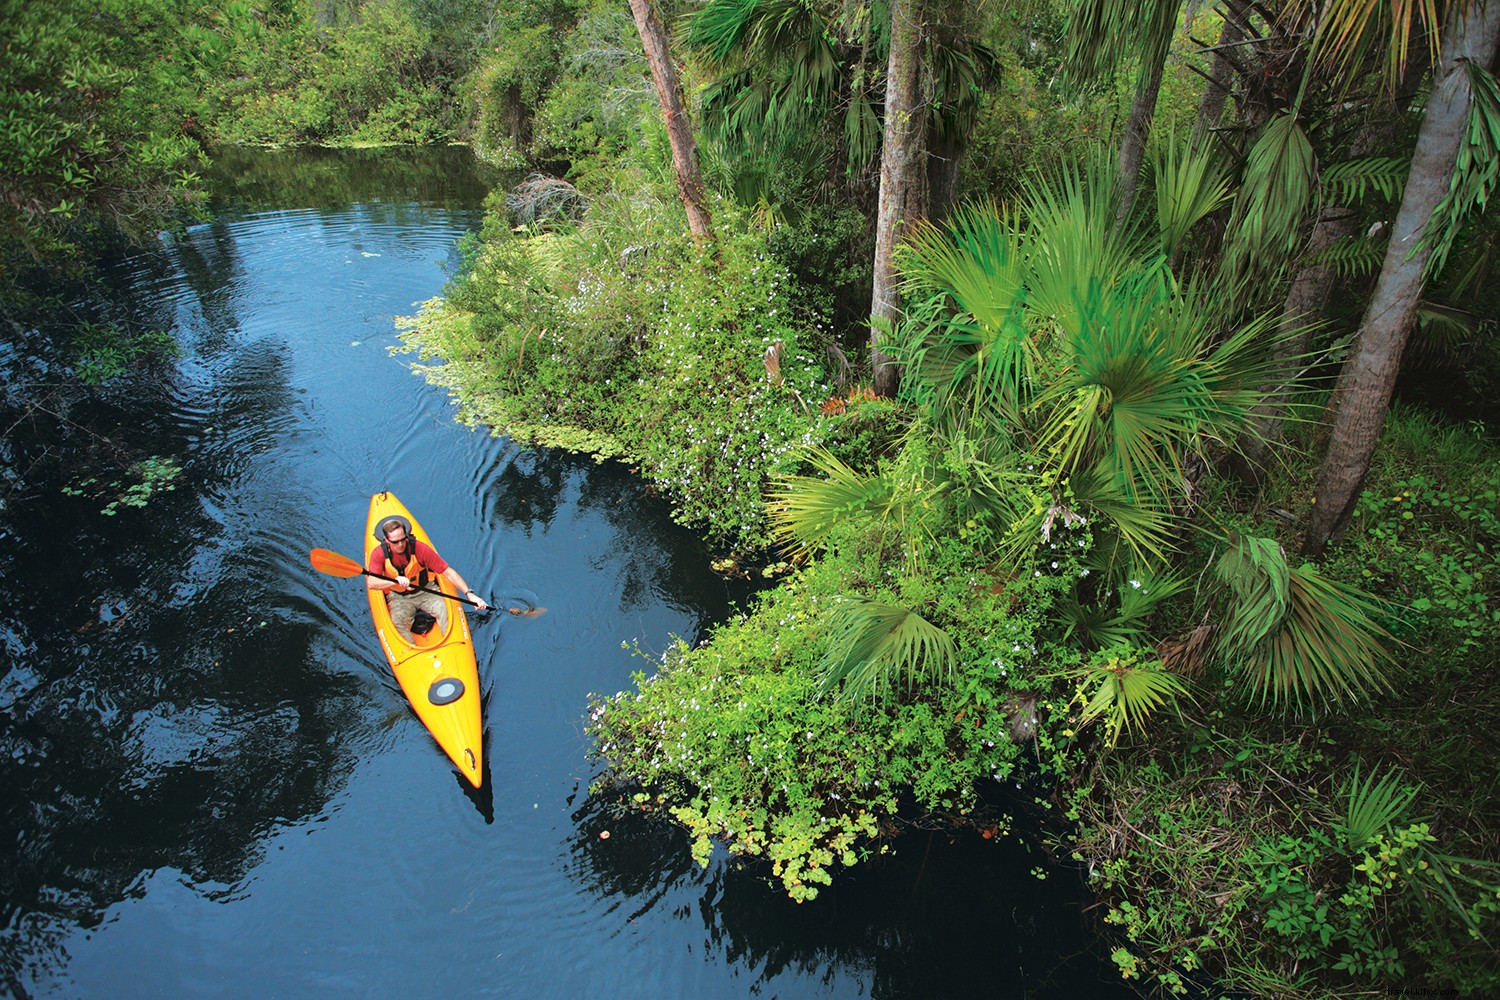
(212, 786)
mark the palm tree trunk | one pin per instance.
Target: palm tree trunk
(1306, 299)
(1137, 130)
(1363, 393)
(1220, 79)
(679, 129)
(903, 195)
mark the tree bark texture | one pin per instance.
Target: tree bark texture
(1133, 147)
(1216, 90)
(903, 175)
(1363, 393)
(679, 127)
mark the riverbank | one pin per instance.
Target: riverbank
(1314, 847)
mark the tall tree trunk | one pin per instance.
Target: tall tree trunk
(679, 128)
(903, 175)
(1216, 90)
(1363, 393)
(1306, 299)
(942, 177)
(1137, 130)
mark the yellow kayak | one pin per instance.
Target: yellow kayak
(438, 674)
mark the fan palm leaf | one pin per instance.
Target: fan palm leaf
(1296, 638)
(1191, 184)
(1372, 806)
(982, 358)
(1275, 191)
(805, 509)
(1124, 693)
(874, 647)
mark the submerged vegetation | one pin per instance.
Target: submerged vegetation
(1095, 544)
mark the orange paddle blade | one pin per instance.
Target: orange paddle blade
(334, 564)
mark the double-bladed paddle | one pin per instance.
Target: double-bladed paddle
(334, 564)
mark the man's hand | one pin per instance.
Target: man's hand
(402, 584)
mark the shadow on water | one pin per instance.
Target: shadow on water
(179, 690)
(934, 917)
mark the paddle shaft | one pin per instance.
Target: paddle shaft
(425, 590)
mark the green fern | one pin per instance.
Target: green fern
(1350, 257)
(1353, 180)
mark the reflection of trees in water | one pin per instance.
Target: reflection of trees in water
(660, 561)
(161, 740)
(147, 719)
(938, 917)
(446, 177)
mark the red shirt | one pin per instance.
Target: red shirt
(425, 553)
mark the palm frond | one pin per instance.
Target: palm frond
(1275, 192)
(1260, 579)
(1100, 625)
(1442, 332)
(1097, 46)
(1372, 806)
(805, 509)
(1124, 693)
(874, 647)
(1350, 257)
(1190, 185)
(1145, 528)
(1070, 211)
(1349, 30)
(1476, 171)
(1295, 638)
(984, 358)
(1353, 180)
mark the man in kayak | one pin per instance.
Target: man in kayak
(412, 564)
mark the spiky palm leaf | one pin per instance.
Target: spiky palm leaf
(781, 75)
(1351, 257)
(1274, 195)
(1190, 185)
(874, 647)
(1125, 694)
(1070, 211)
(983, 359)
(1295, 638)
(1477, 170)
(1351, 31)
(805, 509)
(1099, 42)
(1120, 622)
(1372, 806)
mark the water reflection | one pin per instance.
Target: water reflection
(937, 917)
(207, 762)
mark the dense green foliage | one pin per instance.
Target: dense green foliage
(625, 340)
(1029, 567)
